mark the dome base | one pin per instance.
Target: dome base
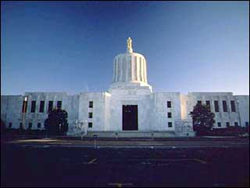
(125, 88)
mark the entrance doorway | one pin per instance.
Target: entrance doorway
(129, 117)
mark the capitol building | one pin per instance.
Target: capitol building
(129, 108)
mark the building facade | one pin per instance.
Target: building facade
(129, 108)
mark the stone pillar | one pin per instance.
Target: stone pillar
(116, 70)
(145, 71)
(123, 68)
(141, 73)
(137, 69)
(119, 70)
(114, 65)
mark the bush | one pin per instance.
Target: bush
(57, 122)
(12, 131)
(203, 119)
(2, 127)
(229, 131)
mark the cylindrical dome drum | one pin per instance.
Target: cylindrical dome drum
(130, 67)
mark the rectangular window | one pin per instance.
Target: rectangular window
(236, 124)
(90, 124)
(247, 123)
(91, 104)
(169, 115)
(30, 126)
(219, 124)
(170, 124)
(233, 106)
(33, 107)
(21, 125)
(90, 115)
(59, 104)
(10, 125)
(25, 104)
(216, 106)
(224, 104)
(208, 104)
(50, 108)
(41, 106)
(227, 124)
(169, 104)
(199, 102)
(39, 125)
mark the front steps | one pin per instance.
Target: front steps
(131, 134)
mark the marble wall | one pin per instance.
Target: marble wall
(107, 109)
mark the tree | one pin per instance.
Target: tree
(57, 122)
(2, 126)
(203, 118)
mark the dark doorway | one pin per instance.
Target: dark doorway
(129, 117)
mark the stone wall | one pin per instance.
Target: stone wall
(107, 109)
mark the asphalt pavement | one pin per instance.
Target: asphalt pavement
(128, 163)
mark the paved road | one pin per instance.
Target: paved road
(32, 164)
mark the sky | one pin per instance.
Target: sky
(70, 46)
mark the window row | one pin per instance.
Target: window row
(224, 105)
(41, 107)
(39, 125)
(228, 124)
(91, 105)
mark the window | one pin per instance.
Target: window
(21, 125)
(90, 115)
(10, 125)
(41, 106)
(25, 104)
(50, 106)
(199, 102)
(170, 124)
(169, 115)
(227, 124)
(247, 123)
(39, 125)
(30, 126)
(91, 104)
(216, 106)
(219, 124)
(236, 124)
(233, 106)
(224, 104)
(90, 124)
(208, 104)
(59, 104)
(169, 104)
(33, 107)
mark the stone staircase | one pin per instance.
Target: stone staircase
(131, 134)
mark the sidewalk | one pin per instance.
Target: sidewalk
(202, 138)
(59, 142)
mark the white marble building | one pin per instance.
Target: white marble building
(129, 108)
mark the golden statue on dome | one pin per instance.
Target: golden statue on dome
(129, 45)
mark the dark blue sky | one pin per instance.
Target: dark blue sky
(70, 46)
